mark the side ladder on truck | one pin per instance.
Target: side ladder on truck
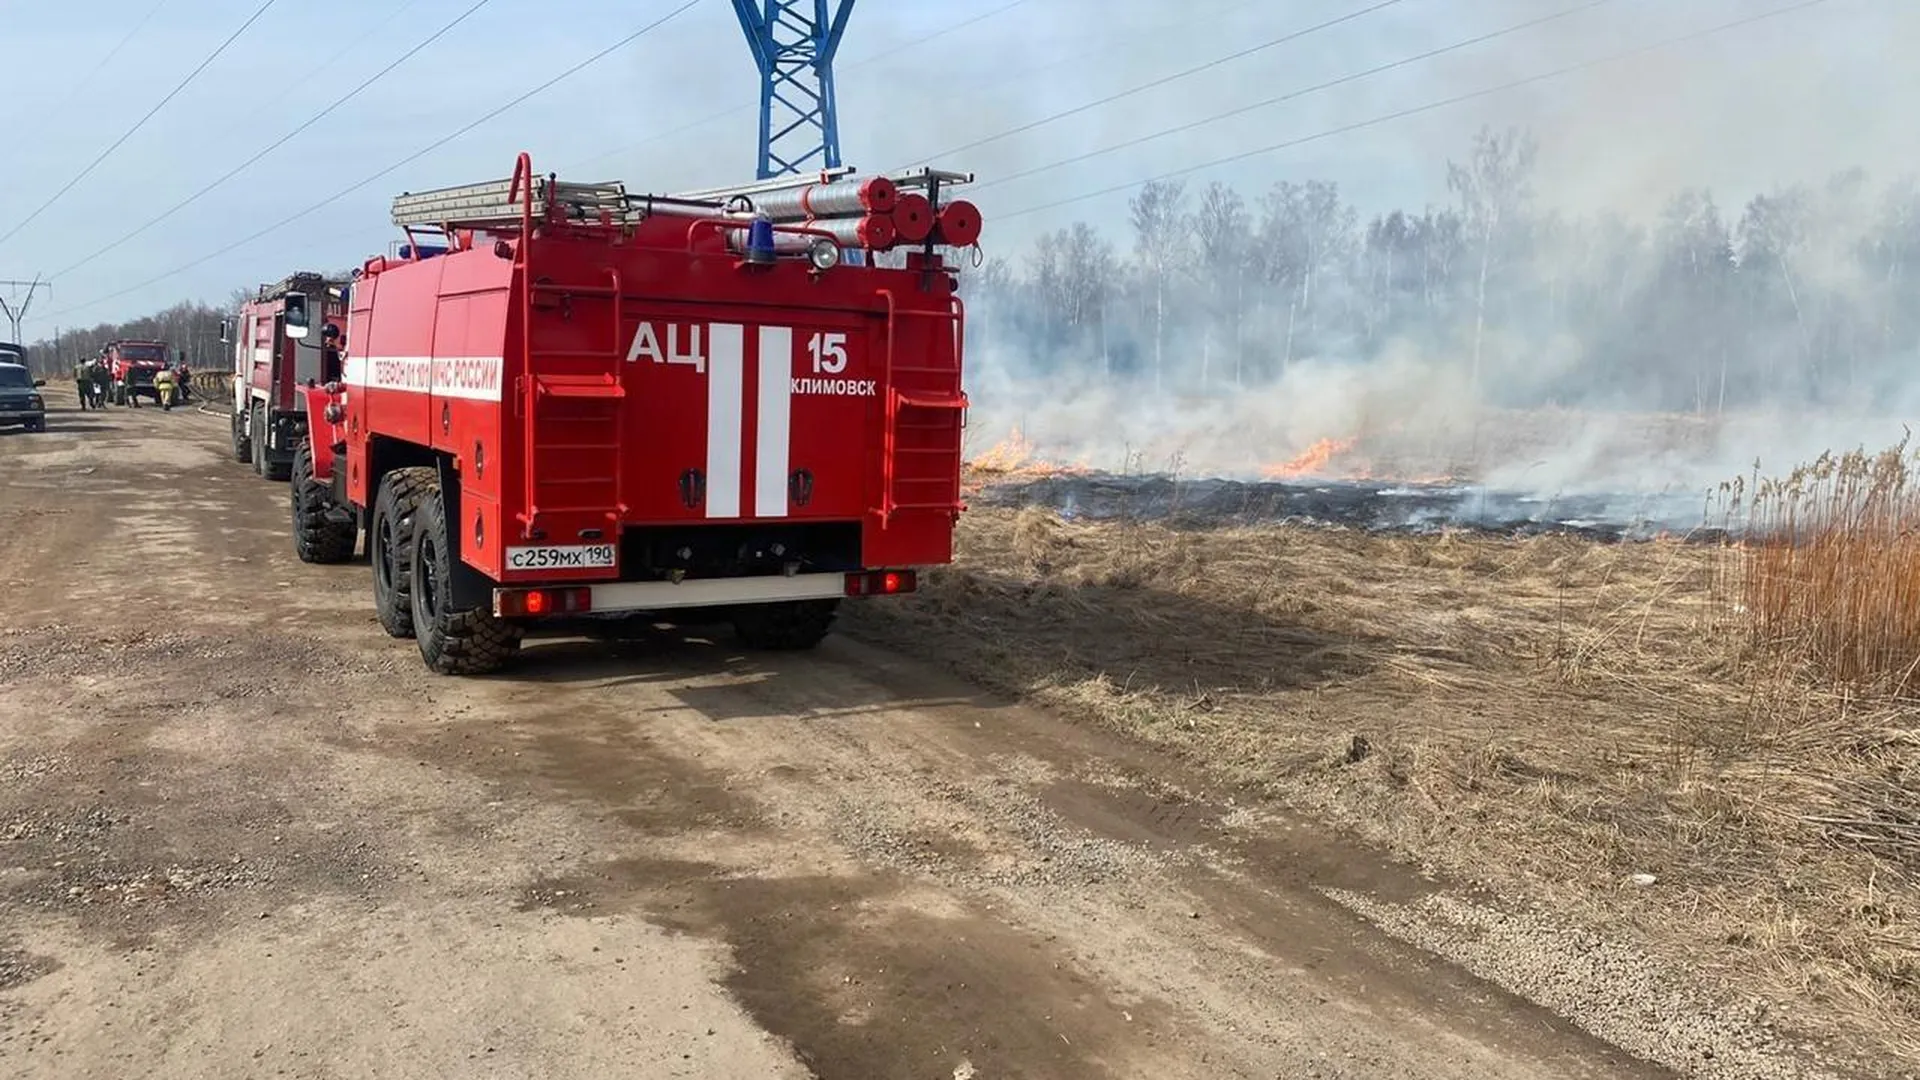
(569, 402)
(924, 412)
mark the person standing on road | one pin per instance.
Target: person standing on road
(163, 385)
(100, 380)
(83, 385)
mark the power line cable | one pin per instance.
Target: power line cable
(1401, 114)
(142, 122)
(409, 159)
(284, 139)
(997, 76)
(1283, 39)
(1299, 93)
(345, 51)
(862, 62)
(107, 59)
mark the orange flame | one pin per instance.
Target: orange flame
(1013, 458)
(1309, 462)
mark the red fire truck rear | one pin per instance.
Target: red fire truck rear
(710, 407)
(132, 364)
(269, 417)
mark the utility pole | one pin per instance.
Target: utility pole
(793, 43)
(17, 314)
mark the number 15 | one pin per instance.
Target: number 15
(829, 353)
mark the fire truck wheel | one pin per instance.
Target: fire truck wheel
(390, 546)
(321, 532)
(452, 641)
(790, 625)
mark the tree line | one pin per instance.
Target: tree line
(1806, 296)
(189, 326)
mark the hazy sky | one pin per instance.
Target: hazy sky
(1787, 99)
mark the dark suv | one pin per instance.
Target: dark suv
(20, 400)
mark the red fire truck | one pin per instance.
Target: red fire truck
(132, 364)
(589, 403)
(269, 418)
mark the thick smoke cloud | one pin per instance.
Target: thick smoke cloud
(1494, 338)
(1639, 280)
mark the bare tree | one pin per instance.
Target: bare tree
(1162, 241)
(1493, 188)
(1221, 234)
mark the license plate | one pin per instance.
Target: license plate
(562, 557)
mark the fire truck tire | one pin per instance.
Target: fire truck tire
(789, 625)
(390, 546)
(320, 533)
(452, 641)
(242, 442)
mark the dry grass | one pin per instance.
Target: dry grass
(1546, 714)
(1832, 579)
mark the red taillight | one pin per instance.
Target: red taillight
(880, 583)
(529, 603)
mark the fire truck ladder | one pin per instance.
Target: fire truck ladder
(925, 409)
(572, 419)
(500, 205)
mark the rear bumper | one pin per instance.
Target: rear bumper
(703, 593)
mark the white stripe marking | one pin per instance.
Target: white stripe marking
(774, 417)
(726, 393)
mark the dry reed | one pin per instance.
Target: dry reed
(1831, 570)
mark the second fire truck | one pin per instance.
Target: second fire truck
(133, 364)
(268, 416)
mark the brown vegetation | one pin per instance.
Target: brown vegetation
(1832, 581)
(1546, 715)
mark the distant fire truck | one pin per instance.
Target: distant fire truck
(587, 403)
(269, 418)
(132, 365)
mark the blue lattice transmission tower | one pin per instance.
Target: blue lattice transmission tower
(793, 44)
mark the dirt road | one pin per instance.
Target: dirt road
(244, 834)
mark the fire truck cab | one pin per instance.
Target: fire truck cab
(133, 364)
(590, 404)
(269, 418)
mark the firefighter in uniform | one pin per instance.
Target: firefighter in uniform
(83, 384)
(99, 381)
(163, 386)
